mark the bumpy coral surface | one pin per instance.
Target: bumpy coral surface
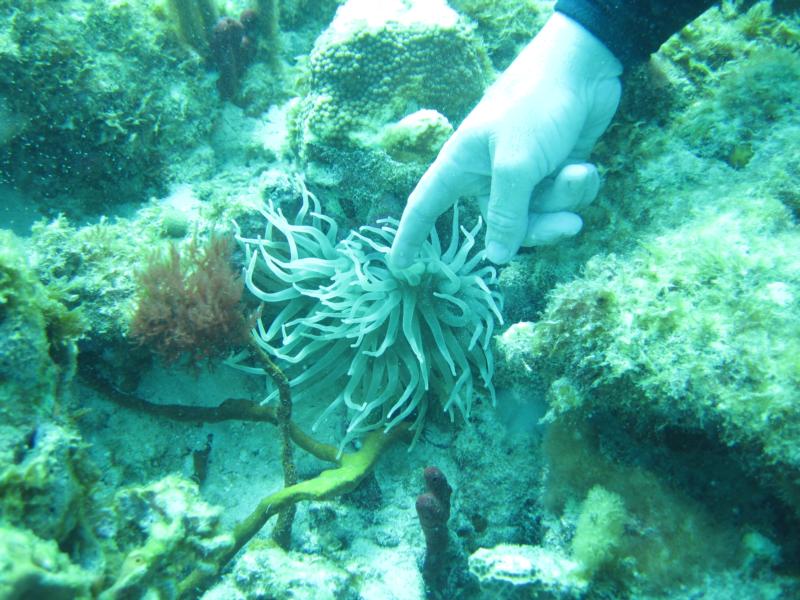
(338, 317)
(379, 61)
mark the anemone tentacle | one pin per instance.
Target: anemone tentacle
(337, 316)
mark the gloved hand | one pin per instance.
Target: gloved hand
(522, 149)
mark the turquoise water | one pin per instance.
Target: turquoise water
(214, 384)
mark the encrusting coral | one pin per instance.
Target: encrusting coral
(336, 312)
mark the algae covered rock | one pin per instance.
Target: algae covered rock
(37, 339)
(162, 531)
(98, 267)
(730, 125)
(31, 567)
(505, 26)
(45, 480)
(635, 533)
(270, 572)
(517, 571)
(103, 92)
(722, 35)
(93, 267)
(699, 328)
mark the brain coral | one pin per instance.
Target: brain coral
(337, 317)
(379, 61)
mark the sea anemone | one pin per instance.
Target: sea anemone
(337, 316)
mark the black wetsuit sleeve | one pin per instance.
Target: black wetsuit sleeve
(632, 29)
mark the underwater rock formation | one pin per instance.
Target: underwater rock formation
(35, 568)
(515, 571)
(667, 463)
(375, 64)
(45, 481)
(697, 329)
(505, 26)
(164, 530)
(270, 572)
(102, 94)
(37, 338)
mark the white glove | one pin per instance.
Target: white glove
(522, 149)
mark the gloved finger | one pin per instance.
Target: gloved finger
(438, 189)
(507, 212)
(483, 204)
(549, 228)
(575, 186)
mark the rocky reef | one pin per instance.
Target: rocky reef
(627, 413)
